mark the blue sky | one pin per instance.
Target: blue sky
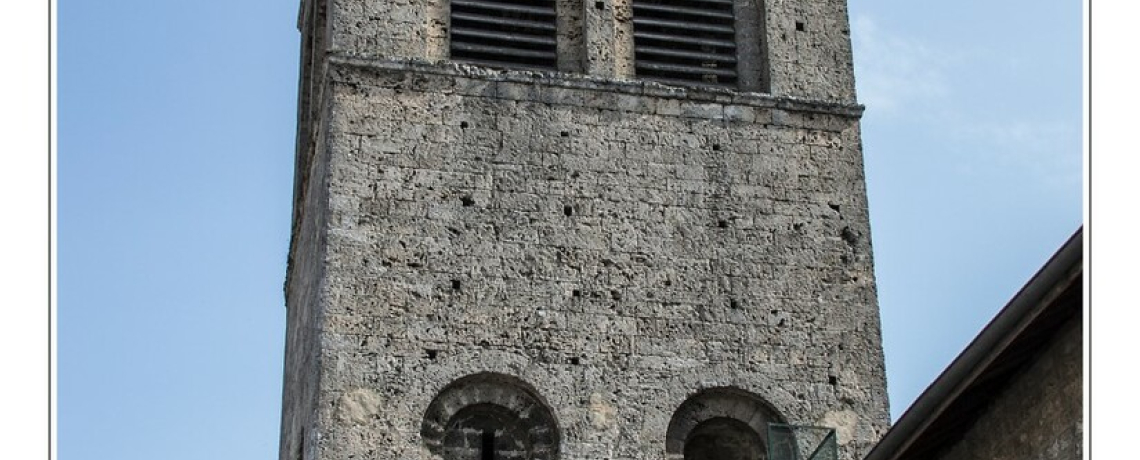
(175, 147)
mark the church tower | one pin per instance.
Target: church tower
(578, 230)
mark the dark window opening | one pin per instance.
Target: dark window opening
(488, 432)
(723, 438)
(685, 42)
(504, 33)
(301, 446)
(488, 445)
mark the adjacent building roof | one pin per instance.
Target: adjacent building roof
(1022, 329)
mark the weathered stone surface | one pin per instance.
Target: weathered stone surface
(591, 247)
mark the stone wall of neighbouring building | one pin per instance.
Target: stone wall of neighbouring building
(1039, 415)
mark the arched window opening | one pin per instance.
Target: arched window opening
(490, 417)
(720, 424)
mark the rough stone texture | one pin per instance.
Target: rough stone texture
(606, 249)
(1039, 415)
(815, 62)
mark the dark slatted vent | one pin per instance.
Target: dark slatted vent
(504, 33)
(685, 42)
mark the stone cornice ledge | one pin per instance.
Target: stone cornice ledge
(595, 83)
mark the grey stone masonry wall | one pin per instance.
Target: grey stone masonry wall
(618, 247)
(1039, 415)
(577, 264)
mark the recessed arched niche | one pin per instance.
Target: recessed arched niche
(490, 416)
(720, 424)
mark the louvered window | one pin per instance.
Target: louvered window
(504, 33)
(685, 42)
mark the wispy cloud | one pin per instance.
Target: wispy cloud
(895, 73)
(908, 81)
(1046, 151)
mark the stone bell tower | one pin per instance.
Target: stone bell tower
(578, 229)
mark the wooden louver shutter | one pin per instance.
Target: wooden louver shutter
(504, 33)
(685, 42)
